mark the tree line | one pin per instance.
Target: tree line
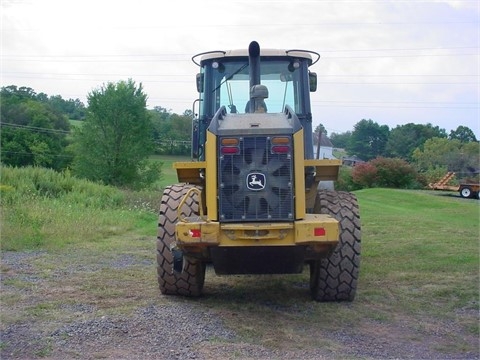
(410, 155)
(369, 139)
(116, 134)
(111, 141)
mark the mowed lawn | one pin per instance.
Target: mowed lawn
(420, 251)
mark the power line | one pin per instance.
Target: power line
(40, 60)
(187, 57)
(261, 25)
(37, 153)
(190, 75)
(176, 81)
(34, 128)
(395, 104)
(398, 107)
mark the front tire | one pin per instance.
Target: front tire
(177, 274)
(334, 278)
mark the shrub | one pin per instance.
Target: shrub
(345, 182)
(45, 209)
(394, 173)
(364, 175)
(381, 172)
(36, 182)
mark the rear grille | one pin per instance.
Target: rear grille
(255, 184)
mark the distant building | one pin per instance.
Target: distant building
(351, 160)
(326, 148)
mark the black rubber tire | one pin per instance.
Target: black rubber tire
(335, 278)
(189, 279)
(465, 192)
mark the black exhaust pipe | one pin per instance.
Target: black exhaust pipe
(254, 67)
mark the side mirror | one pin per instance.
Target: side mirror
(200, 83)
(313, 81)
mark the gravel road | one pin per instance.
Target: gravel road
(171, 327)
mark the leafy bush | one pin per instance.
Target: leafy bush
(364, 175)
(382, 172)
(345, 182)
(394, 173)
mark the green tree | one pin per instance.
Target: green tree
(462, 133)
(368, 140)
(404, 139)
(172, 132)
(74, 109)
(340, 140)
(453, 155)
(33, 133)
(114, 143)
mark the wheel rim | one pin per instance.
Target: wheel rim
(465, 192)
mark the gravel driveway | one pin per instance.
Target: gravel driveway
(47, 312)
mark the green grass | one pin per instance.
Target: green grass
(43, 209)
(169, 174)
(424, 248)
(419, 273)
(75, 123)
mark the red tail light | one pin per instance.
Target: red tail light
(229, 150)
(280, 149)
(195, 233)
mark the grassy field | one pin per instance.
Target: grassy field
(419, 277)
(169, 174)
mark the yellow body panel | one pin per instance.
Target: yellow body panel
(299, 232)
(200, 233)
(325, 169)
(189, 172)
(299, 154)
(211, 176)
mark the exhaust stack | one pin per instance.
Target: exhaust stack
(254, 70)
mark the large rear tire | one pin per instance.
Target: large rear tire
(177, 274)
(334, 278)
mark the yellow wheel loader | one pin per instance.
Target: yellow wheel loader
(249, 201)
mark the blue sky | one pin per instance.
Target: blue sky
(395, 62)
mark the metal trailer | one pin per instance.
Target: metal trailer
(466, 190)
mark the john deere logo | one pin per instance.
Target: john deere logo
(256, 181)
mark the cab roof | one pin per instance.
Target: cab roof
(216, 54)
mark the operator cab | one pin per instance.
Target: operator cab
(225, 79)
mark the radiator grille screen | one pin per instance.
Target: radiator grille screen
(255, 184)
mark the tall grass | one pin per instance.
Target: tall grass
(44, 209)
